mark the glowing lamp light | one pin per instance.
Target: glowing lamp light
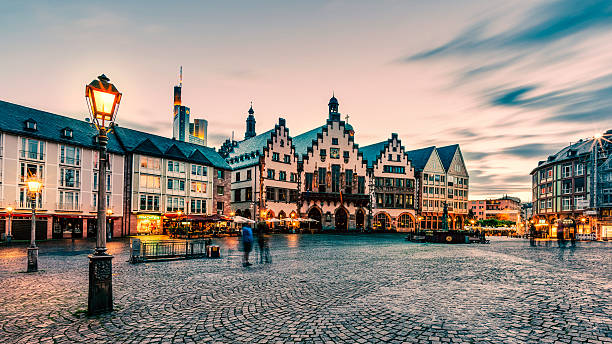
(9, 209)
(419, 218)
(583, 220)
(103, 99)
(263, 213)
(232, 213)
(597, 136)
(179, 213)
(472, 221)
(34, 185)
(109, 212)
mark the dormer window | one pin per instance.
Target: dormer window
(30, 124)
(67, 133)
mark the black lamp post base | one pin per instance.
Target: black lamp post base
(32, 259)
(100, 298)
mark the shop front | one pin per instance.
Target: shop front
(149, 224)
(67, 227)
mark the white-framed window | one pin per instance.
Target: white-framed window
(566, 203)
(32, 149)
(549, 203)
(149, 202)
(199, 170)
(68, 200)
(108, 181)
(149, 182)
(198, 187)
(31, 169)
(70, 155)
(70, 177)
(198, 206)
(567, 171)
(150, 163)
(25, 201)
(176, 166)
(175, 204)
(579, 169)
(176, 184)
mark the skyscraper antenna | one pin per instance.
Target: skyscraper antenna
(232, 136)
(181, 77)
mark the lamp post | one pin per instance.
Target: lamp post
(34, 187)
(103, 101)
(9, 234)
(419, 219)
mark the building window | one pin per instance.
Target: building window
(30, 124)
(175, 166)
(566, 203)
(95, 200)
(308, 181)
(220, 207)
(175, 204)
(579, 169)
(149, 202)
(237, 176)
(335, 141)
(198, 206)
(270, 194)
(25, 201)
(282, 175)
(32, 149)
(293, 177)
(149, 163)
(323, 153)
(334, 153)
(70, 155)
(287, 159)
(271, 173)
(248, 176)
(567, 171)
(70, 177)
(176, 184)
(248, 193)
(198, 187)
(68, 200)
(275, 157)
(29, 169)
(237, 195)
(220, 174)
(361, 185)
(198, 170)
(149, 182)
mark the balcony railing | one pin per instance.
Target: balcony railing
(68, 206)
(31, 155)
(69, 184)
(70, 161)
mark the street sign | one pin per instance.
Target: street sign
(590, 212)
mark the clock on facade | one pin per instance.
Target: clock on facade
(334, 153)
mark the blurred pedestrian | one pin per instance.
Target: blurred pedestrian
(532, 234)
(247, 244)
(262, 242)
(560, 236)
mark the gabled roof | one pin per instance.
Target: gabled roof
(135, 141)
(419, 157)
(304, 141)
(50, 127)
(447, 153)
(246, 153)
(372, 152)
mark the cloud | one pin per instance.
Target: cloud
(543, 24)
(531, 150)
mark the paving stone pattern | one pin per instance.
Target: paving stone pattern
(319, 289)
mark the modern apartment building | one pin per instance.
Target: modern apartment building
(62, 152)
(573, 189)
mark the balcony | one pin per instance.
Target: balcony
(357, 199)
(31, 155)
(68, 207)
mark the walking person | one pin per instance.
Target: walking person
(247, 244)
(262, 241)
(532, 234)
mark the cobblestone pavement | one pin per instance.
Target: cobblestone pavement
(320, 288)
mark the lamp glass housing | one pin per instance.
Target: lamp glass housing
(103, 99)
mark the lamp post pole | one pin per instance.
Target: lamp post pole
(103, 99)
(9, 234)
(33, 250)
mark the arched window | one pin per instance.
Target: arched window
(405, 221)
(382, 222)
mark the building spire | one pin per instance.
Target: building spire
(250, 124)
(181, 77)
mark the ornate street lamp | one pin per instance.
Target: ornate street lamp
(34, 187)
(9, 234)
(103, 100)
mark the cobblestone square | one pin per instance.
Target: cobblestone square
(319, 289)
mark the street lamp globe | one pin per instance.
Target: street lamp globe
(103, 99)
(9, 209)
(34, 185)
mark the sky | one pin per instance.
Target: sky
(510, 81)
